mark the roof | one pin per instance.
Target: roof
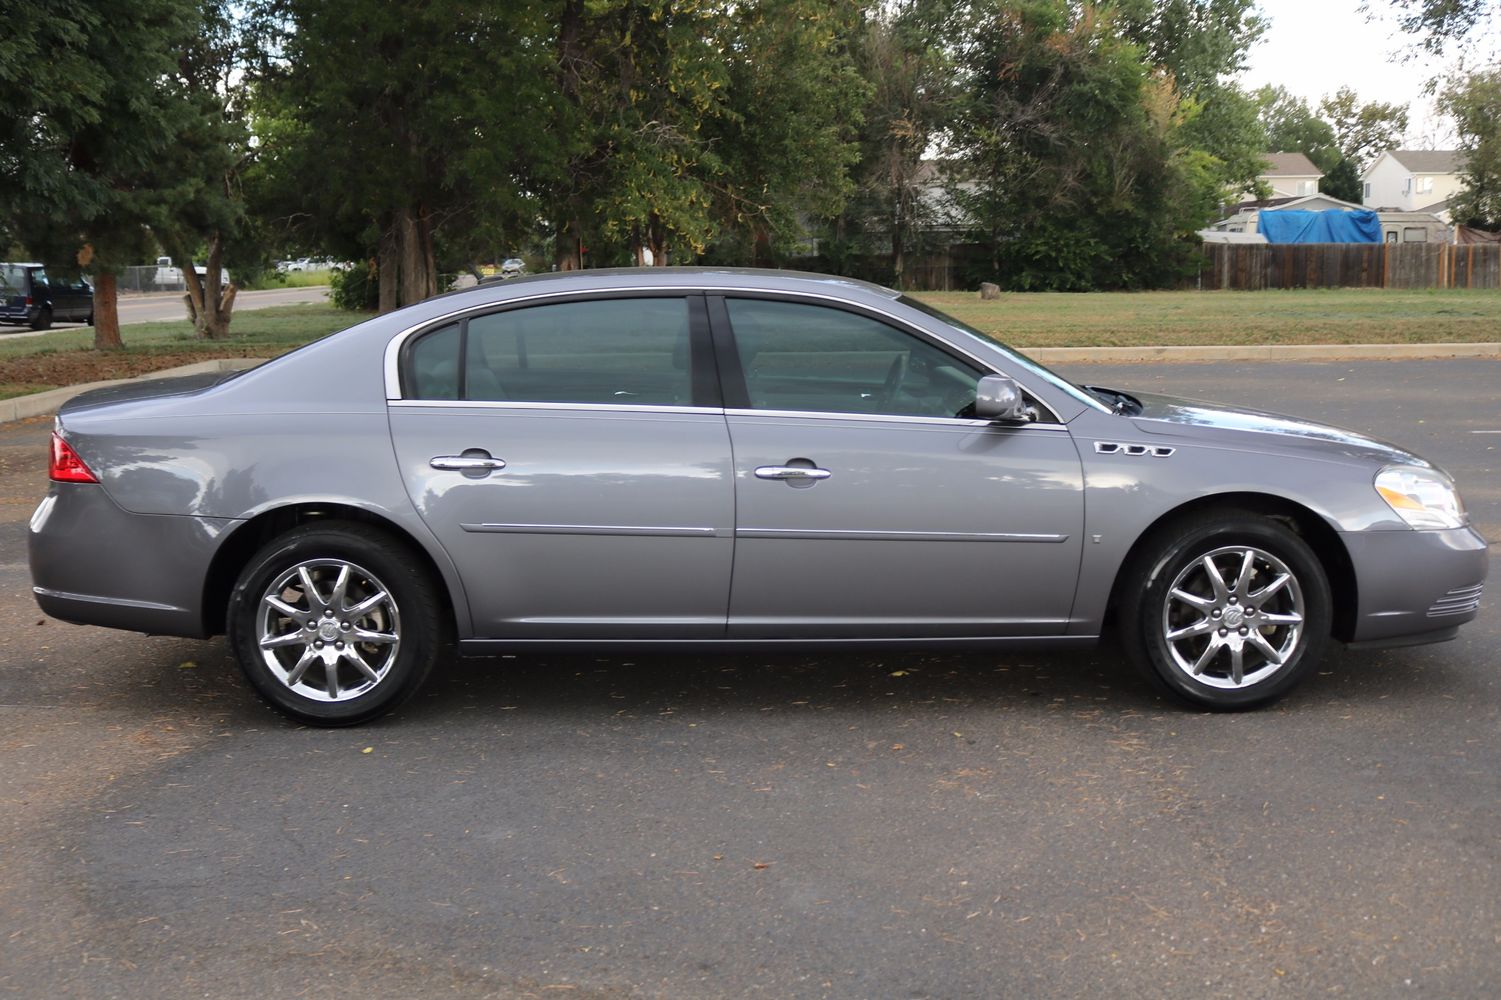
(1289, 165)
(1429, 161)
(607, 278)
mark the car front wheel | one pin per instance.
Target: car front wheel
(1227, 611)
(332, 626)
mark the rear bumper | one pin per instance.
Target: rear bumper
(18, 314)
(1415, 586)
(93, 563)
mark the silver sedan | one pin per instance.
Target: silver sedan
(664, 457)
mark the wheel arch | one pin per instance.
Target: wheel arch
(230, 558)
(1309, 525)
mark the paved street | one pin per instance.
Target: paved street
(904, 826)
(155, 307)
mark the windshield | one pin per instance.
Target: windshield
(1017, 359)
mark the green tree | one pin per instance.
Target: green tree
(1443, 23)
(1078, 178)
(789, 138)
(1199, 42)
(396, 131)
(1342, 181)
(1362, 131)
(909, 76)
(1474, 102)
(1293, 127)
(90, 120)
(644, 85)
(211, 155)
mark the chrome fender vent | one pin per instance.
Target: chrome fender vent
(1116, 448)
(1457, 602)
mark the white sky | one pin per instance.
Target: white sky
(1312, 47)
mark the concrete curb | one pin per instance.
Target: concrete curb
(40, 403)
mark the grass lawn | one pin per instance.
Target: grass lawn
(1320, 316)
(66, 357)
(287, 279)
(1311, 316)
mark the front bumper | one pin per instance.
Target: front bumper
(1415, 586)
(94, 563)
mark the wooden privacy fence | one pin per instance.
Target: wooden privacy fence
(1254, 266)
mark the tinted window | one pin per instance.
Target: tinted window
(806, 357)
(603, 351)
(433, 365)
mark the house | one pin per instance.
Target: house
(1290, 175)
(1396, 226)
(1413, 180)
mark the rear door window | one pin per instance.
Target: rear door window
(617, 351)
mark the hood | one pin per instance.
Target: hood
(1234, 426)
(134, 391)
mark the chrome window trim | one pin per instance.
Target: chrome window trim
(394, 345)
(500, 404)
(890, 418)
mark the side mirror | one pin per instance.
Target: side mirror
(1000, 398)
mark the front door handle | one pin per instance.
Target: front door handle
(467, 463)
(791, 473)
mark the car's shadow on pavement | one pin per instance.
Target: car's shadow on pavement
(203, 678)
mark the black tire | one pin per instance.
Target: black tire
(379, 563)
(43, 319)
(1164, 593)
(90, 320)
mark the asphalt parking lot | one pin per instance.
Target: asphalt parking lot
(904, 826)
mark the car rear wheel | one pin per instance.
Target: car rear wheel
(1227, 611)
(332, 626)
(43, 318)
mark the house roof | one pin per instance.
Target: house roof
(1289, 165)
(1429, 161)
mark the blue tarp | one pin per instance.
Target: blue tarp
(1296, 225)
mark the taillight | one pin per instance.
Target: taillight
(67, 467)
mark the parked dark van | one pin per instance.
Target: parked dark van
(28, 296)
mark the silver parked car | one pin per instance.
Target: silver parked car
(672, 456)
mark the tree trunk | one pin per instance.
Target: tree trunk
(898, 258)
(106, 313)
(218, 296)
(570, 249)
(656, 236)
(429, 256)
(417, 280)
(388, 269)
(209, 301)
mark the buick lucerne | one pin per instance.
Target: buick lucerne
(664, 457)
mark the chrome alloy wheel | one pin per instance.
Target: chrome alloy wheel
(1233, 617)
(329, 630)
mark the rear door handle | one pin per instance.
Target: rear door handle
(792, 473)
(467, 463)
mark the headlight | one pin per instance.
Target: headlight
(1421, 497)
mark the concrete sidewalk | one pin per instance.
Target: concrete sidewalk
(40, 403)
